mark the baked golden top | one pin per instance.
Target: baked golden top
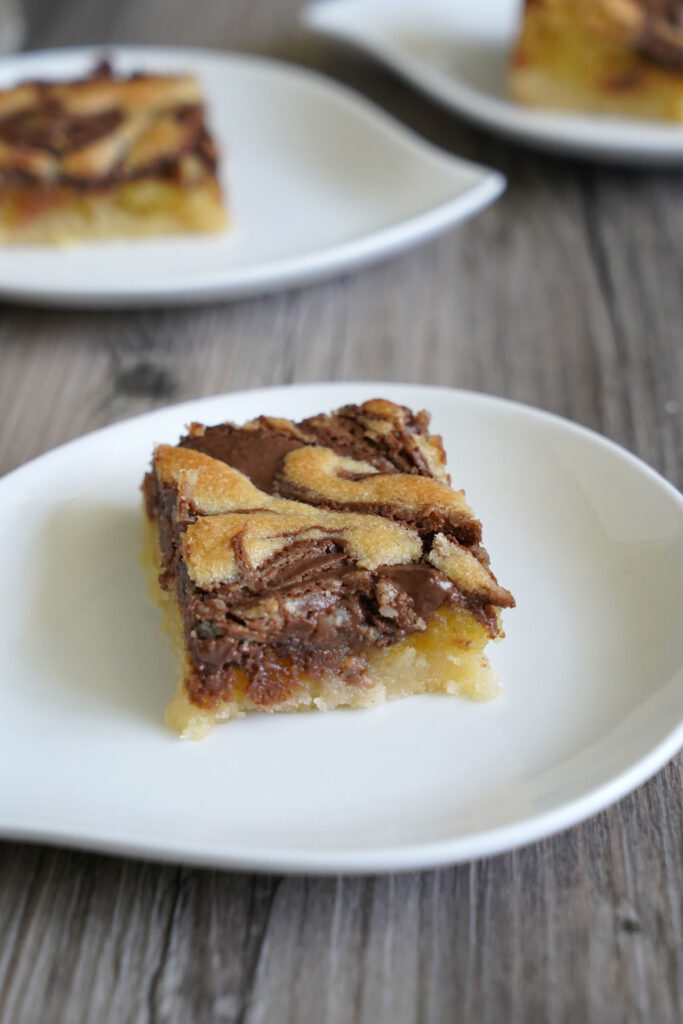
(379, 518)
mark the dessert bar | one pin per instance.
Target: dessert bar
(316, 564)
(106, 156)
(622, 57)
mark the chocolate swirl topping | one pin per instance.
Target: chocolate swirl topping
(307, 544)
(94, 133)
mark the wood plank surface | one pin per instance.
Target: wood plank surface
(567, 294)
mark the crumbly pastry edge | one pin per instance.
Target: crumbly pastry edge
(421, 663)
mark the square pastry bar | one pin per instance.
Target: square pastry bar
(622, 57)
(317, 564)
(106, 156)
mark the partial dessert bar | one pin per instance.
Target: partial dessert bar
(622, 57)
(106, 156)
(317, 564)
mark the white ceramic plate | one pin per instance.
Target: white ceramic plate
(458, 53)
(318, 181)
(588, 538)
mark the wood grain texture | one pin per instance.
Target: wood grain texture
(567, 294)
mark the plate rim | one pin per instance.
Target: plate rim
(373, 860)
(564, 133)
(488, 184)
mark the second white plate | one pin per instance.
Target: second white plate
(458, 53)
(318, 181)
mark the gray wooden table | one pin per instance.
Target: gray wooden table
(567, 294)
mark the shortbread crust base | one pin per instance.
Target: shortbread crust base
(63, 216)
(448, 657)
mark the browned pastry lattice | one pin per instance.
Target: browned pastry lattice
(301, 554)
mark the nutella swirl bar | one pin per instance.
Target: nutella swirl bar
(315, 564)
(105, 156)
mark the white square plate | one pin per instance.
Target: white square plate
(458, 52)
(588, 539)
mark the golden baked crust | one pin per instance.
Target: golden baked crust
(621, 57)
(310, 589)
(106, 156)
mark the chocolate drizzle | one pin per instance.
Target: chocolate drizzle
(426, 587)
(257, 453)
(51, 127)
(390, 452)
